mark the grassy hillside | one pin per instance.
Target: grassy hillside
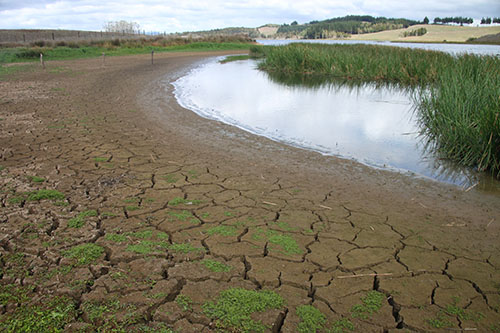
(435, 33)
(341, 27)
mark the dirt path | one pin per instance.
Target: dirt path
(154, 212)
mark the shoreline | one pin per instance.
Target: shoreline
(113, 139)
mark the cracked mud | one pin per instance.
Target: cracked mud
(137, 215)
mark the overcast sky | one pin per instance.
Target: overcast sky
(190, 15)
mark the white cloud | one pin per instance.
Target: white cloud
(189, 15)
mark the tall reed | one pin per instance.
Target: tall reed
(458, 97)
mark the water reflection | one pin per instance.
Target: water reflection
(374, 124)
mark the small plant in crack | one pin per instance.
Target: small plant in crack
(372, 302)
(101, 159)
(184, 302)
(171, 179)
(311, 319)
(181, 201)
(216, 266)
(461, 313)
(36, 179)
(440, 321)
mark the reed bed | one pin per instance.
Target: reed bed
(457, 97)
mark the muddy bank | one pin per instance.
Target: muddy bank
(155, 211)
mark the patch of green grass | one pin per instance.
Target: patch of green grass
(181, 201)
(45, 195)
(132, 208)
(372, 302)
(223, 230)
(171, 179)
(287, 243)
(181, 216)
(9, 70)
(51, 317)
(132, 200)
(216, 266)
(36, 179)
(233, 308)
(183, 248)
(235, 58)
(79, 220)
(117, 238)
(147, 247)
(13, 293)
(284, 226)
(124, 47)
(108, 214)
(184, 302)
(144, 234)
(2, 168)
(341, 326)
(16, 199)
(463, 314)
(440, 322)
(311, 319)
(101, 159)
(85, 254)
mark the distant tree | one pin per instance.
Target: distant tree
(294, 23)
(426, 20)
(488, 20)
(496, 20)
(122, 26)
(437, 20)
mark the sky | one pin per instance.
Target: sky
(195, 15)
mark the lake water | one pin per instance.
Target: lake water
(374, 125)
(449, 48)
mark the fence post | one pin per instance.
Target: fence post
(152, 55)
(41, 61)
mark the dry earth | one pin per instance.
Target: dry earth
(161, 210)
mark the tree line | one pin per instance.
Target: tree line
(489, 20)
(458, 20)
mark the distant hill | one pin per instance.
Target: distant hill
(342, 27)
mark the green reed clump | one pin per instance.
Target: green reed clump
(460, 113)
(458, 97)
(357, 62)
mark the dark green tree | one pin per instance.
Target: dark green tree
(426, 20)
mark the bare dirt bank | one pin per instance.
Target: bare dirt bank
(169, 209)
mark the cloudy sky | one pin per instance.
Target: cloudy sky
(191, 15)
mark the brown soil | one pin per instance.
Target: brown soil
(317, 230)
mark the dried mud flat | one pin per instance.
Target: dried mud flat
(122, 211)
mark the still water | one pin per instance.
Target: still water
(373, 125)
(449, 48)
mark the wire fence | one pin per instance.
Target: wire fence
(26, 37)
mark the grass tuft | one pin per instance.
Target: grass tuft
(233, 308)
(85, 254)
(311, 319)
